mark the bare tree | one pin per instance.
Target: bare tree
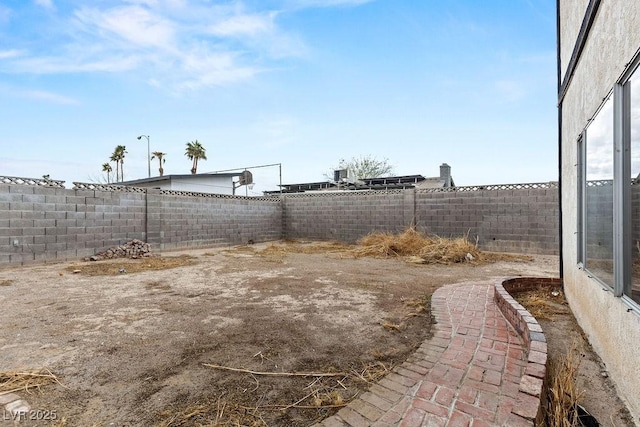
(365, 167)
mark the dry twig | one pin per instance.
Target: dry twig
(276, 374)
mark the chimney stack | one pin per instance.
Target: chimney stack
(445, 174)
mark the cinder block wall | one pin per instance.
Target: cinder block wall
(346, 216)
(39, 224)
(504, 220)
(186, 221)
(44, 224)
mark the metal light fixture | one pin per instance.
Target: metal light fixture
(148, 153)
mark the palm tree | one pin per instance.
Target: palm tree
(118, 157)
(195, 151)
(160, 156)
(115, 159)
(106, 167)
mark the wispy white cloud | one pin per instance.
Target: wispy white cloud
(244, 25)
(205, 69)
(7, 54)
(47, 4)
(257, 32)
(173, 44)
(132, 24)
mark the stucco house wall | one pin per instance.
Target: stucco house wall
(612, 326)
(203, 184)
(221, 183)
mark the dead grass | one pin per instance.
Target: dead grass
(558, 409)
(544, 303)
(411, 245)
(14, 381)
(316, 394)
(416, 307)
(6, 282)
(562, 394)
(290, 246)
(127, 266)
(240, 249)
(219, 413)
(418, 248)
(419, 305)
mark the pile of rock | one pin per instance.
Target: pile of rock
(132, 249)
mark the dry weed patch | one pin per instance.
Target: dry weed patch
(417, 248)
(544, 303)
(14, 381)
(411, 245)
(218, 413)
(317, 392)
(418, 307)
(6, 282)
(291, 246)
(126, 266)
(560, 407)
(311, 393)
(242, 249)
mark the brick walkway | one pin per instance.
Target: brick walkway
(471, 373)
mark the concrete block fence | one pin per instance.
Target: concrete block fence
(43, 222)
(516, 218)
(346, 216)
(40, 224)
(507, 218)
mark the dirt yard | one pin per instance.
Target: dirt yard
(137, 344)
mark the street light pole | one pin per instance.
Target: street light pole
(148, 153)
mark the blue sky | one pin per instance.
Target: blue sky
(303, 83)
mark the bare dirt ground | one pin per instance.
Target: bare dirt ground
(131, 348)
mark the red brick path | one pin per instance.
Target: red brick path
(468, 374)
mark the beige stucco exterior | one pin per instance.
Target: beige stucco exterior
(200, 183)
(614, 39)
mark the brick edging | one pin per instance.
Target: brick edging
(535, 343)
